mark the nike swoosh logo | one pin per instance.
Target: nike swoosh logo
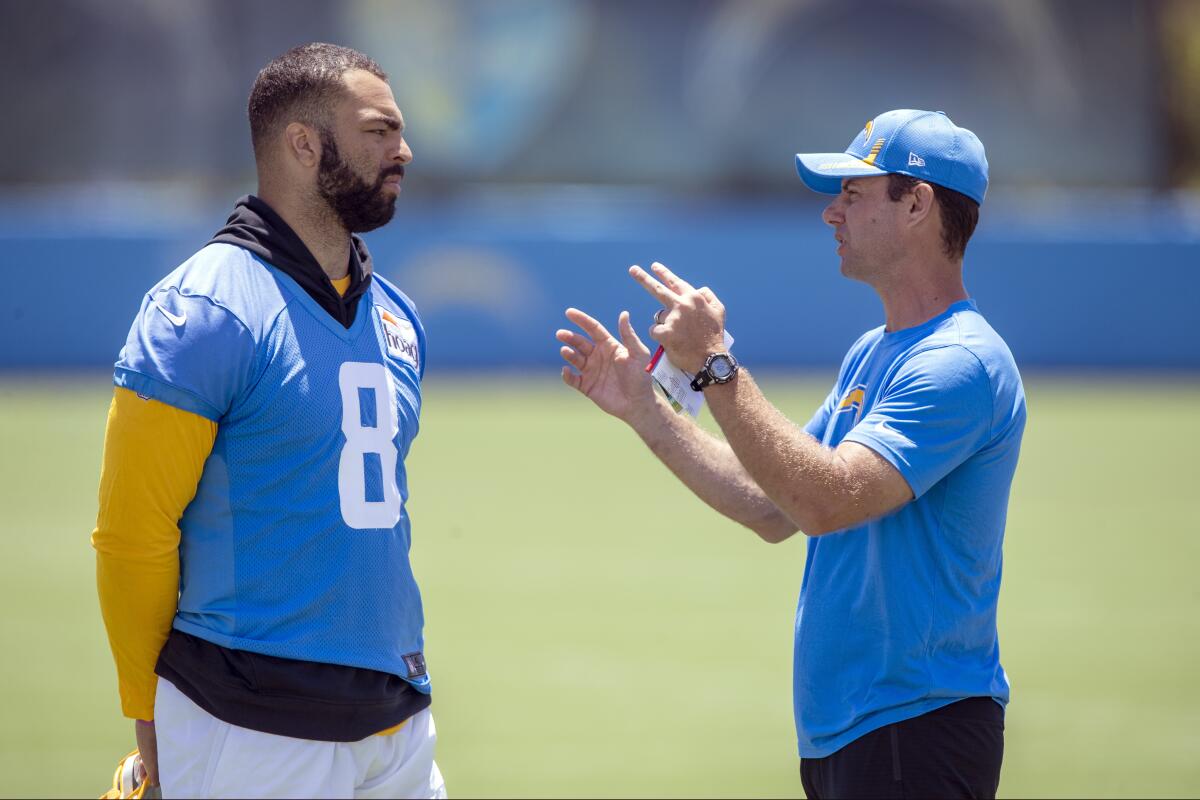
(176, 319)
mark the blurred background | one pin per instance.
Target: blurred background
(556, 142)
(635, 645)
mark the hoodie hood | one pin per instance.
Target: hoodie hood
(256, 227)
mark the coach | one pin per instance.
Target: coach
(900, 479)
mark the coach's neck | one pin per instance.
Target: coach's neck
(921, 278)
(920, 292)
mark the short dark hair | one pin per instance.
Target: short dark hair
(960, 214)
(298, 87)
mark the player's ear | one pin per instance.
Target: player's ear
(303, 144)
(920, 203)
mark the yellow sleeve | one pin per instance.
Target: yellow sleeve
(154, 455)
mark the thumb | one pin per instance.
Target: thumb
(630, 338)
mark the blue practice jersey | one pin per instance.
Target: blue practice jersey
(297, 542)
(897, 616)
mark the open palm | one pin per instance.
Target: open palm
(609, 372)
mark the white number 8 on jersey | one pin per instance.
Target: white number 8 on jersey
(367, 388)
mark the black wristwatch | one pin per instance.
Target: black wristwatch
(718, 368)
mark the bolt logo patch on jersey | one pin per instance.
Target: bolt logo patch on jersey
(853, 401)
(399, 336)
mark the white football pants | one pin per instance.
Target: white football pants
(201, 756)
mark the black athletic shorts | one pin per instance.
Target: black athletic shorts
(954, 751)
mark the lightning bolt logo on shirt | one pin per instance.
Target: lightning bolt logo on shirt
(853, 400)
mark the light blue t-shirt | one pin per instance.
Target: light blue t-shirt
(296, 544)
(897, 616)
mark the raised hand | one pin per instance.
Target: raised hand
(610, 373)
(693, 324)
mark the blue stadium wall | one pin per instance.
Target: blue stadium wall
(492, 280)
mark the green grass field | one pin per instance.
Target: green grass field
(595, 631)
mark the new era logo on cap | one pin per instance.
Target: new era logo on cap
(921, 144)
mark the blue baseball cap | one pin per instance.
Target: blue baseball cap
(921, 144)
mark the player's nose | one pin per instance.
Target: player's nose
(403, 152)
(832, 215)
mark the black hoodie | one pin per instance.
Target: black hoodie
(286, 697)
(255, 226)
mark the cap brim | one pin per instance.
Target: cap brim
(824, 172)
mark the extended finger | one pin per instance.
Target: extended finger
(653, 286)
(572, 379)
(630, 338)
(577, 340)
(670, 278)
(591, 326)
(572, 357)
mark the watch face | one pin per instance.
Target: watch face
(721, 367)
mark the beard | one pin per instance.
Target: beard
(358, 205)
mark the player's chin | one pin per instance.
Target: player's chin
(854, 270)
(850, 266)
(385, 199)
(380, 214)
(385, 202)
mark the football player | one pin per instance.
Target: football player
(252, 538)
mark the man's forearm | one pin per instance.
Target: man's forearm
(708, 467)
(137, 602)
(803, 478)
(153, 458)
(818, 488)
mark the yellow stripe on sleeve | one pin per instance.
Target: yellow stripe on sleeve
(154, 455)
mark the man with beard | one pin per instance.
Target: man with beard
(252, 539)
